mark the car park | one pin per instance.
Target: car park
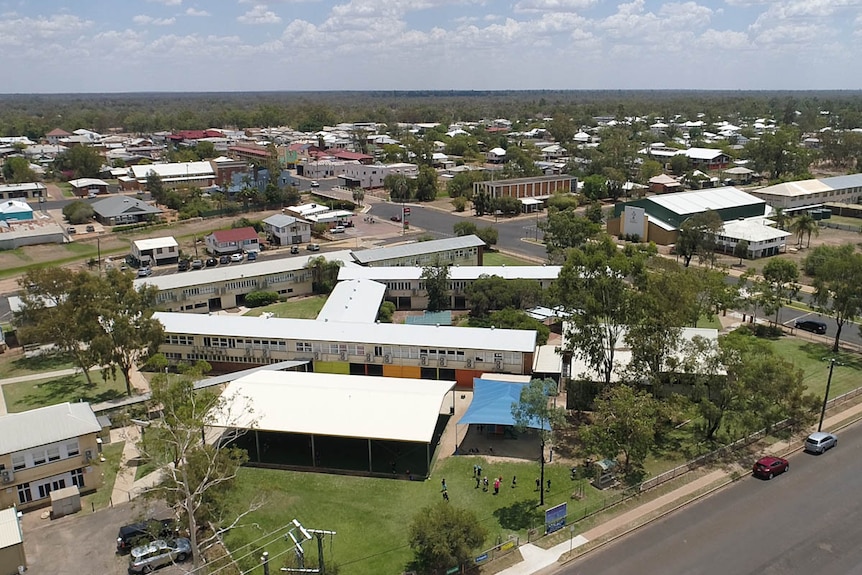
(820, 441)
(313, 247)
(197, 264)
(811, 325)
(144, 272)
(769, 467)
(294, 249)
(158, 553)
(236, 257)
(211, 262)
(135, 534)
(224, 260)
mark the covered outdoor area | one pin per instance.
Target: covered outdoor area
(488, 427)
(378, 426)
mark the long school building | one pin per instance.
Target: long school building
(380, 349)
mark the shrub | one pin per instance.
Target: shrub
(260, 298)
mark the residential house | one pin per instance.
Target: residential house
(664, 184)
(54, 136)
(45, 449)
(118, 210)
(198, 174)
(156, 251)
(22, 191)
(233, 241)
(88, 187)
(283, 230)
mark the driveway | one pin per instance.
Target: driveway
(78, 544)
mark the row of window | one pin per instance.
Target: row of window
(42, 489)
(45, 454)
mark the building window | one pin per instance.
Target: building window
(78, 477)
(18, 462)
(39, 457)
(72, 449)
(54, 453)
(24, 495)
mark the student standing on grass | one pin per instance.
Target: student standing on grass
(443, 483)
(514, 481)
(478, 480)
(445, 496)
(485, 483)
(538, 484)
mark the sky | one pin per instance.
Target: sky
(85, 46)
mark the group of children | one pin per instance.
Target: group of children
(482, 480)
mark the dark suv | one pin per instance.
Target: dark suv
(812, 326)
(140, 533)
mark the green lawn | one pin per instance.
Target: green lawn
(371, 516)
(813, 360)
(11, 366)
(298, 308)
(32, 394)
(113, 454)
(498, 259)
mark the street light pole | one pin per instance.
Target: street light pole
(826, 395)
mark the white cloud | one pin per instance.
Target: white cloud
(145, 20)
(193, 12)
(15, 30)
(259, 15)
(168, 2)
(553, 5)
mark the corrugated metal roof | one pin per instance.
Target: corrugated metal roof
(10, 529)
(698, 201)
(752, 231)
(328, 404)
(19, 431)
(843, 182)
(353, 301)
(417, 248)
(456, 273)
(155, 243)
(375, 333)
(793, 189)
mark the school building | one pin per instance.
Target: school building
(459, 354)
(463, 251)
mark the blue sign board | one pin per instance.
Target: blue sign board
(555, 518)
(481, 558)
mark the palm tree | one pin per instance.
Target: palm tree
(804, 225)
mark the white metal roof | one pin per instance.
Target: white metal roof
(795, 189)
(701, 200)
(548, 360)
(338, 405)
(703, 153)
(155, 243)
(14, 207)
(752, 230)
(84, 182)
(353, 301)
(378, 333)
(244, 270)
(19, 431)
(173, 170)
(417, 248)
(10, 528)
(456, 273)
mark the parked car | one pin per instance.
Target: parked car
(136, 534)
(144, 272)
(820, 441)
(91, 228)
(313, 247)
(395, 218)
(337, 230)
(211, 262)
(159, 553)
(236, 257)
(197, 264)
(315, 184)
(183, 265)
(224, 260)
(251, 256)
(769, 467)
(70, 230)
(294, 249)
(811, 325)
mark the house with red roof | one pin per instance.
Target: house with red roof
(186, 135)
(233, 241)
(55, 135)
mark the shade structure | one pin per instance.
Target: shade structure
(492, 404)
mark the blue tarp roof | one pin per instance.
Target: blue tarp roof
(492, 404)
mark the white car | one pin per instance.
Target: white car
(236, 257)
(315, 184)
(818, 442)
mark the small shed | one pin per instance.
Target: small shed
(12, 557)
(65, 501)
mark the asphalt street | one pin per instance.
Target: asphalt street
(805, 521)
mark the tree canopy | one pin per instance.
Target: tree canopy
(444, 536)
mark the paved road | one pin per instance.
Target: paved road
(808, 520)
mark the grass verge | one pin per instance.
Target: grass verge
(297, 308)
(27, 395)
(18, 365)
(113, 453)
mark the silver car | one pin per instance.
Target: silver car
(818, 442)
(161, 552)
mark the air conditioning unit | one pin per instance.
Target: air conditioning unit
(423, 360)
(387, 358)
(441, 362)
(469, 363)
(342, 356)
(369, 358)
(316, 356)
(498, 364)
(88, 455)
(7, 475)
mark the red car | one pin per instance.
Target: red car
(769, 467)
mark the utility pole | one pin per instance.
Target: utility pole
(826, 395)
(265, 560)
(299, 535)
